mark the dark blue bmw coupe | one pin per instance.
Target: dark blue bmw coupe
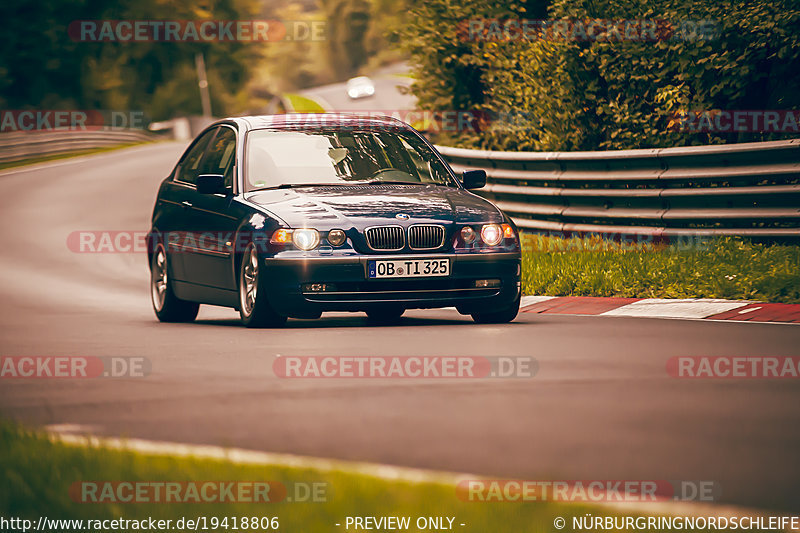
(292, 215)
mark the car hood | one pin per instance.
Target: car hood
(364, 205)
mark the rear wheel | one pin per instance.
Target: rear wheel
(168, 307)
(385, 315)
(500, 316)
(254, 308)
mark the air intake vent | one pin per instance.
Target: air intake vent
(425, 237)
(385, 238)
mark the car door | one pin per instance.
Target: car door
(215, 218)
(175, 201)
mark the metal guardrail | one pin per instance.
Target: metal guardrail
(749, 189)
(23, 145)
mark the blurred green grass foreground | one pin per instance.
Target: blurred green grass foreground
(40, 473)
(729, 268)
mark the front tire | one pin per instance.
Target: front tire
(167, 306)
(501, 316)
(254, 308)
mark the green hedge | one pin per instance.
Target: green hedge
(579, 95)
(729, 268)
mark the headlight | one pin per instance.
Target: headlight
(336, 237)
(468, 235)
(305, 239)
(492, 234)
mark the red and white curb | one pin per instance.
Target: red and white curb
(689, 308)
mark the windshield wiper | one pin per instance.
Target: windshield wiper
(345, 184)
(394, 182)
(296, 186)
(398, 182)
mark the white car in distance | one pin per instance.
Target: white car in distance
(360, 87)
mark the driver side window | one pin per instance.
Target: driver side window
(189, 168)
(221, 155)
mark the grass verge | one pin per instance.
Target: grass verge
(38, 472)
(42, 159)
(728, 268)
(302, 104)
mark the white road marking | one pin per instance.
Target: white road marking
(69, 428)
(745, 311)
(672, 308)
(530, 300)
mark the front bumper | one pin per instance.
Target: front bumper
(352, 290)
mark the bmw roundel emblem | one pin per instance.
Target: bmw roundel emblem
(402, 216)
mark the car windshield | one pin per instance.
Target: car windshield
(338, 156)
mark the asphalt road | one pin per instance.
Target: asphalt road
(391, 94)
(600, 407)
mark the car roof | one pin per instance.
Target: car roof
(313, 121)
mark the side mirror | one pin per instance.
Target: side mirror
(210, 183)
(473, 179)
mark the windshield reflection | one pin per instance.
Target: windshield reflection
(276, 158)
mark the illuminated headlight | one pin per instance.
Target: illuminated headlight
(336, 237)
(492, 234)
(305, 239)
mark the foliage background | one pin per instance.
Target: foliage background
(41, 67)
(548, 95)
(605, 95)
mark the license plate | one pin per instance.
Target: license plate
(409, 268)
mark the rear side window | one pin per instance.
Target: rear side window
(221, 155)
(188, 170)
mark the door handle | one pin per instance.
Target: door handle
(186, 205)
